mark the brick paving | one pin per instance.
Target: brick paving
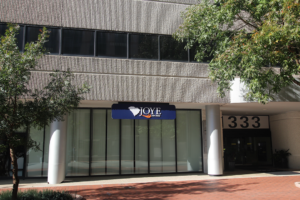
(237, 188)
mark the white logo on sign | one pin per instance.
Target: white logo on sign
(147, 112)
(135, 111)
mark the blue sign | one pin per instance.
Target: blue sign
(143, 111)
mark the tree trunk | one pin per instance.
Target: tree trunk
(14, 173)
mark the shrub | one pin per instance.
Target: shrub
(281, 158)
(37, 195)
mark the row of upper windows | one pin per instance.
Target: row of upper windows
(76, 42)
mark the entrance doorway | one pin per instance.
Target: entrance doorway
(248, 149)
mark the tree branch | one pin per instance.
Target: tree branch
(294, 80)
(247, 22)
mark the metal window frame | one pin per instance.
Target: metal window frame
(106, 141)
(24, 37)
(159, 58)
(60, 42)
(95, 42)
(43, 158)
(91, 139)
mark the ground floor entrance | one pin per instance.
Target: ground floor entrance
(247, 148)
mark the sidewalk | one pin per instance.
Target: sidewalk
(233, 185)
(103, 180)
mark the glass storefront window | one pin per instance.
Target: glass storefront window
(188, 129)
(4, 159)
(141, 146)
(46, 151)
(37, 161)
(35, 158)
(127, 146)
(113, 144)
(155, 146)
(168, 146)
(162, 146)
(98, 142)
(123, 146)
(78, 143)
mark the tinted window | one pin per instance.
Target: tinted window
(207, 58)
(53, 41)
(112, 44)
(143, 46)
(2, 29)
(170, 49)
(19, 36)
(78, 42)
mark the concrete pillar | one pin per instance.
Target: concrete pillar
(285, 135)
(214, 140)
(57, 151)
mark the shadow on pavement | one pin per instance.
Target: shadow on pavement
(159, 190)
(284, 173)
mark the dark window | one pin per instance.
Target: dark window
(19, 36)
(2, 29)
(170, 49)
(207, 57)
(143, 46)
(53, 41)
(78, 42)
(112, 44)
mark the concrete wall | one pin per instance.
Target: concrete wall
(116, 15)
(134, 80)
(285, 130)
(177, 1)
(124, 66)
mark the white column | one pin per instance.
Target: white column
(214, 140)
(57, 152)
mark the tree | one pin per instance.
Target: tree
(256, 40)
(21, 106)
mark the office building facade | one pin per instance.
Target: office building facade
(124, 50)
